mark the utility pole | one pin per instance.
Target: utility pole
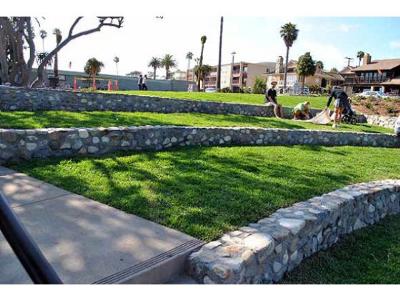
(220, 55)
(348, 60)
(233, 62)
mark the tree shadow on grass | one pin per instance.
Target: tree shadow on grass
(199, 191)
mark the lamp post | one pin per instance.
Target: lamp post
(220, 55)
(233, 61)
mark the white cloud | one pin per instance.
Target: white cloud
(329, 54)
(347, 27)
(395, 44)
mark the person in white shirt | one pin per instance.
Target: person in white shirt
(144, 85)
(397, 127)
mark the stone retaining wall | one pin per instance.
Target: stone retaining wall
(22, 99)
(264, 251)
(17, 144)
(383, 121)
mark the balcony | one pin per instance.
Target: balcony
(235, 81)
(366, 80)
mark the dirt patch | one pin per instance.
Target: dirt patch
(377, 107)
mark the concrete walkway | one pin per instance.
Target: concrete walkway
(89, 242)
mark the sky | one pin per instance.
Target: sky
(254, 39)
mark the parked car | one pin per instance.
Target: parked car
(210, 90)
(373, 94)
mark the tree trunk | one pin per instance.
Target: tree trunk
(187, 71)
(220, 55)
(302, 84)
(166, 73)
(286, 67)
(200, 64)
(56, 65)
(71, 36)
(154, 73)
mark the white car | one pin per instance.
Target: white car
(210, 90)
(374, 94)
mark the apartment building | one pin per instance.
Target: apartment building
(376, 75)
(321, 77)
(240, 75)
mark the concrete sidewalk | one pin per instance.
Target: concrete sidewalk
(89, 242)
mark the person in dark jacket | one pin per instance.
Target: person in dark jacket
(140, 82)
(341, 101)
(144, 83)
(271, 99)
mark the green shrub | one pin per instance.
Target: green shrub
(391, 109)
(226, 90)
(369, 105)
(259, 86)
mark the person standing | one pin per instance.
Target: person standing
(144, 85)
(397, 127)
(271, 99)
(140, 82)
(341, 101)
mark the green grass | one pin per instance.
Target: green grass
(106, 119)
(290, 101)
(371, 255)
(208, 191)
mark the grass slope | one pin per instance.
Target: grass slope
(371, 255)
(106, 119)
(208, 191)
(290, 101)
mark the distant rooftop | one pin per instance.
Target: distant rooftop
(381, 64)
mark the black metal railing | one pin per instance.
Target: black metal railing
(28, 253)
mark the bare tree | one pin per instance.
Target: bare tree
(16, 34)
(103, 21)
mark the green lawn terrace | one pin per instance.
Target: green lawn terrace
(61, 119)
(206, 192)
(317, 102)
(368, 256)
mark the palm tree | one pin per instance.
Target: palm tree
(202, 72)
(92, 68)
(116, 60)
(43, 35)
(57, 33)
(155, 63)
(168, 62)
(289, 34)
(360, 56)
(203, 40)
(189, 57)
(306, 66)
(319, 64)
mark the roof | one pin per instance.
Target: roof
(347, 70)
(394, 81)
(331, 76)
(382, 64)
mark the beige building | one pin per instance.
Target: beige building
(321, 78)
(240, 75)
(179, 75)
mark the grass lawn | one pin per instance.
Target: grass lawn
(371, 255)
(208, 191)
(106, 119)
(290, 101)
